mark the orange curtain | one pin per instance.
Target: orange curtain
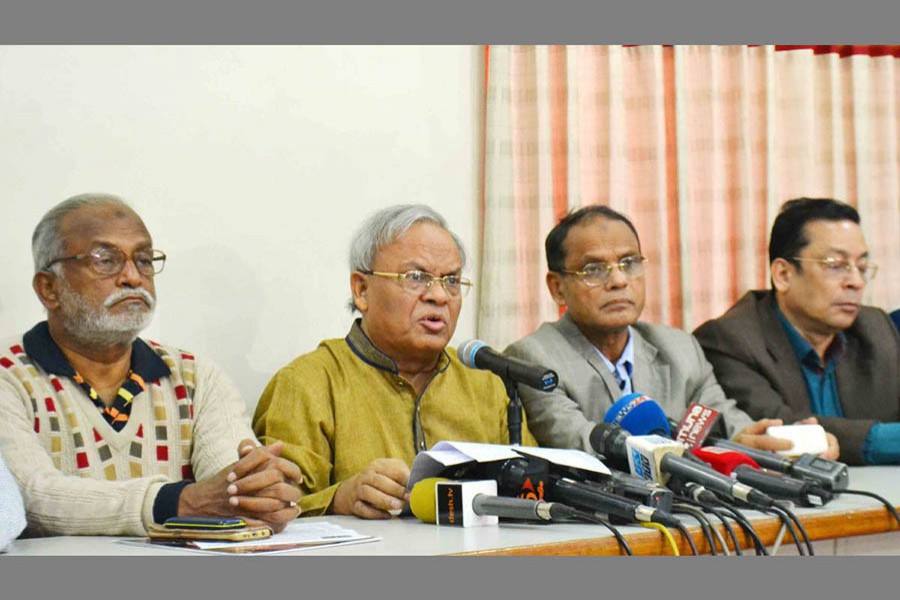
(699, 145)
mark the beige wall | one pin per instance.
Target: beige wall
(251, 167)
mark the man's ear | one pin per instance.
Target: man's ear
(782, 274)
(555, 285)
(46, 286)
(359, 287)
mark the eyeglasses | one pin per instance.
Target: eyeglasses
(594, 274)
(838, 268)
(420, 281)
(108, 261)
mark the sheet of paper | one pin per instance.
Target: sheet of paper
(298, 535)
(577, 459)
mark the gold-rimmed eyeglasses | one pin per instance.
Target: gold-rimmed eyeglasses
(420, 281)
(594, 274)
(837, 268)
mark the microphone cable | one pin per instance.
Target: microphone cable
(787, 506)
(712, 534)
(744, 522)
(788, 523)
(588, 517)
(688, 537)
(666, 533)
(690, 494)
(732, 535)
(881, 499)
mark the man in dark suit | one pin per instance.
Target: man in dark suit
(808, 346)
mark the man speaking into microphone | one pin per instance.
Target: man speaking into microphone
(599, 348)
(354, 413)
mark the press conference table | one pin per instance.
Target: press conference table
(848, 525)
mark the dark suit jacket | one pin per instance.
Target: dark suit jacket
(756, 365)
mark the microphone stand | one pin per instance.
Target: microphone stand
(513, 412)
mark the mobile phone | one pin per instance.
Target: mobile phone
(213, 523)
(155, 532)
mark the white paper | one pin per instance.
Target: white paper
(566, 457)
(297, 536)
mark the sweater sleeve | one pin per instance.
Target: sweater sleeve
(12, 510)
(60, 504)
(220, 421)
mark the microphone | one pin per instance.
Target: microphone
(654, 457)
(638, 414)
(663, 456)
(747, 471)
(589, 496)
(531, 478)
(695, 425)
(478, 355)
(828, 474)
(699, 420)
(466, 504)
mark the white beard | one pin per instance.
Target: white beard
(99, 327)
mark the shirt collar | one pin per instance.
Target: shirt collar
(42, 350)
(363, 347)
(802, 348)
(627, 357)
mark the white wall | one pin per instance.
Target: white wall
(251, 166)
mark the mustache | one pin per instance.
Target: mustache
(120, 295)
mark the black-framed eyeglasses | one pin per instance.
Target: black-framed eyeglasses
(420, 281)
(594, 274)
(108, 261)
(838, 268)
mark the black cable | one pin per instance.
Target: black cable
(718, 513)
(881, 499)
(705, 525)
(590, 518)
(786, 506)
(746, 526)
(687, 536)
(788, 523)
(728, 528)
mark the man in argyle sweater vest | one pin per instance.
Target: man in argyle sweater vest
(106, 433)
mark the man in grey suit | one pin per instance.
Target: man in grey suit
(809, 346)
(601, 351)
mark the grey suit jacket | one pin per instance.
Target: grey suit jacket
(757, 366)
(669, 367)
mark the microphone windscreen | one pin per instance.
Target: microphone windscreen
(422, 499)
(723, 460)
(466, 351)
(639, 415)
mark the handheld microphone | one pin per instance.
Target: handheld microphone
(464, 504)
(695, 425)
(747, 471)
(531, 478)
(589, 496)
(658, 455)
(638, 414)
(478, 355)
(828, 474)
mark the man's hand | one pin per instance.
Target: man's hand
(834, 449)
(260, 486)
(374, 492)
(755, 436)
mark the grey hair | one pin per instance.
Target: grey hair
(46, 243)
(385, 226)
